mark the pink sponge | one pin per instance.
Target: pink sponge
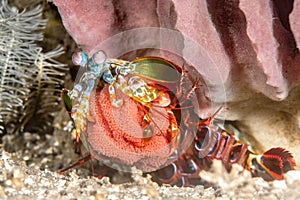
(253, 41)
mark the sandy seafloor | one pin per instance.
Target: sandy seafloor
(19, 181)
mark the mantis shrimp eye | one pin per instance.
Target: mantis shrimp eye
(80, 58)
(99, 57)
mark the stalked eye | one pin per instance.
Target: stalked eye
(79, 58)
(99, 57)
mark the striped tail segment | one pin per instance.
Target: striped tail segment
(271, 165)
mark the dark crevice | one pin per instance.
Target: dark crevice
(222, 17)
(282, 28)
(231, 25)
(120, 15)
(284, 9)
(287, 49)
(173, 15)
(166, 13)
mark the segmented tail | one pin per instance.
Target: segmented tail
(212, 142)
(272, 164)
